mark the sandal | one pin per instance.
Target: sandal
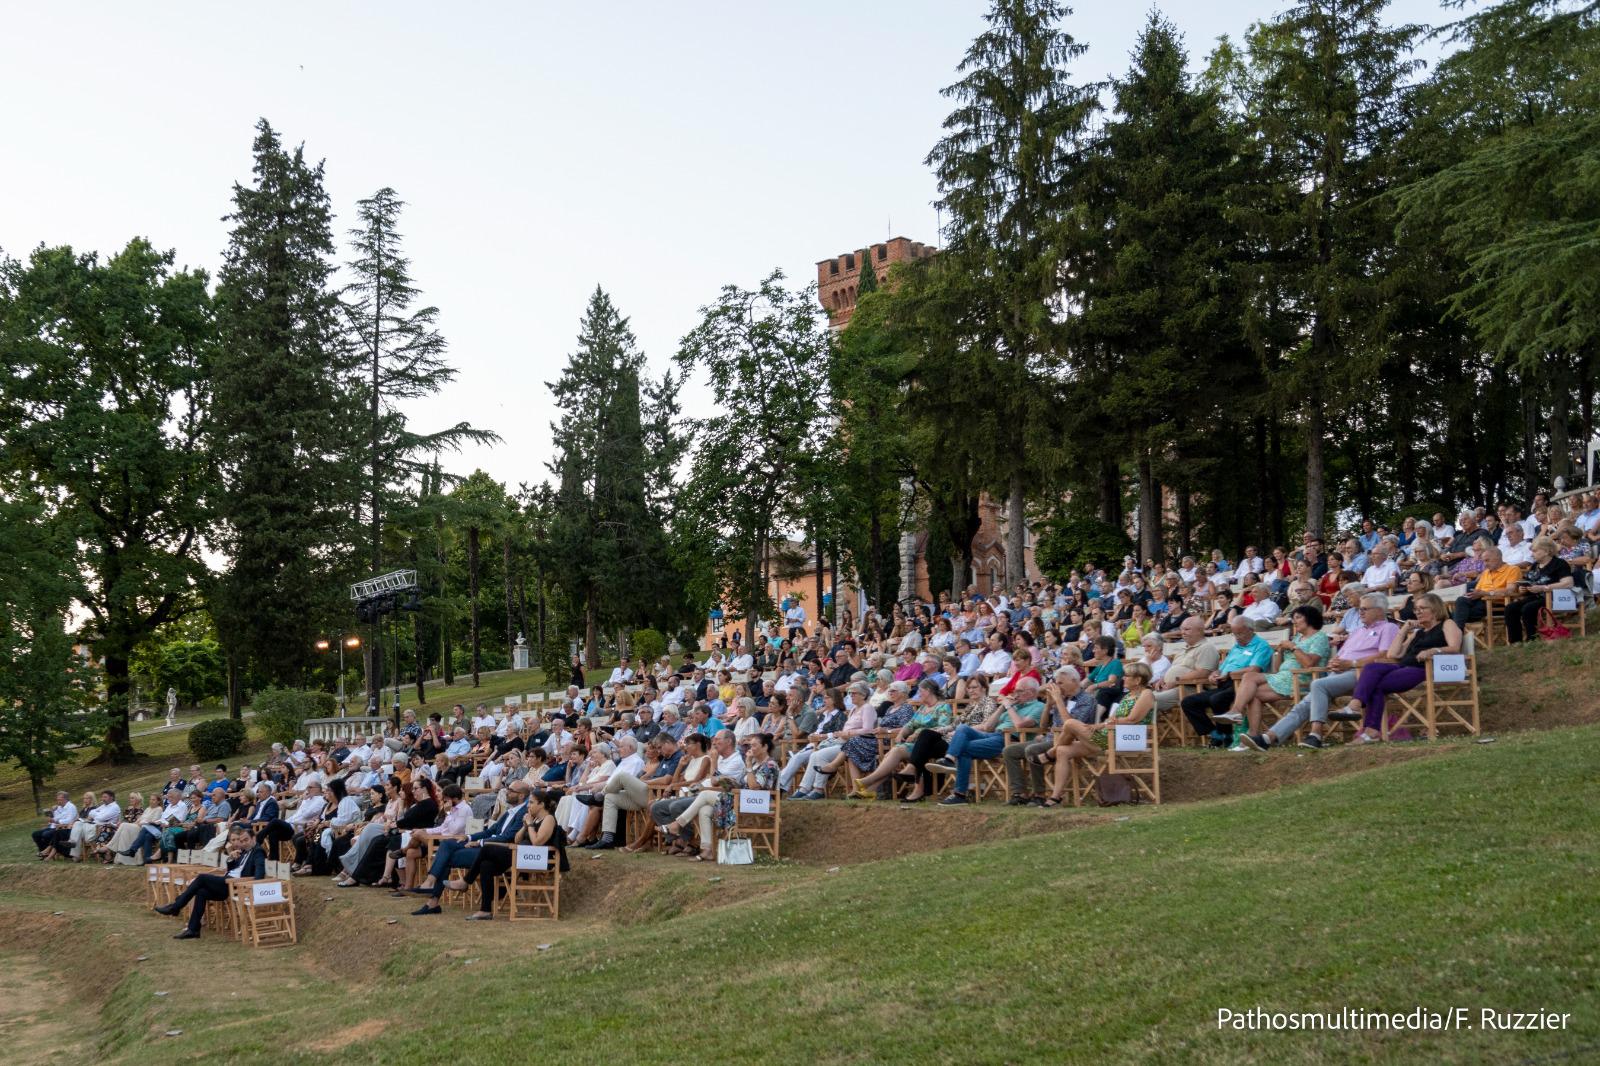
(1051, 801)
(704, 856)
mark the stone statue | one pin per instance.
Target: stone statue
(519, 654)
(172, 705)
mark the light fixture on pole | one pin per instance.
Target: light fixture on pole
(346, 640)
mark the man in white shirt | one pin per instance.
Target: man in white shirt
(297, 754)
(1252, 563)
(107, 813)
(996, 661)
(559, 737)
(1514, 546)
(629, 761)
(1155, 657)
(621, 674)
(795, 619)
(1442, 530)
(62, 818)
(575, 700)
(1264, 611)
(741, 664)
(174, 813)
(1381, 573)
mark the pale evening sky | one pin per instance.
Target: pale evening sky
(659, 150)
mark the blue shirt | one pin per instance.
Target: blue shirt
(1257, 653)
(970, 663)
(458, 747)
(1368, 541)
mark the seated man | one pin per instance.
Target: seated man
(1515, 548)
(622, 674)
(1020, 711)
(245, 861)
(1263, 612)
(1370, 639)
(1191, 666)
(626, 790)
(466, 853)
(173, 813)
(1249, 652)
(1382, 574)
(1066, 699)
(58, 828)
(215, 811)
(1498, 579)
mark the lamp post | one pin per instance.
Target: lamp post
(346, 640)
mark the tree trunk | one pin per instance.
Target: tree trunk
(1185, 523)
(958, 579)
(510, 583)
(447, 659)
(591, 629)
(1530, 434)
(118, 746)
(816, 542)
(1110, 494)
(875, 556)
(417, 648)
(1275, 517)
(1149, 510)
(1316, 504)
(472, 599)
(833, 587)
(1016, 532)
(756, 595)
(1559, 429)
(235, 700)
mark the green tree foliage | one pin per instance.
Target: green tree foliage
(1006, 169)
(288, 420)
(616, 567)
(1079, 543)
(45, 688)
(765, 354)
(104, 393)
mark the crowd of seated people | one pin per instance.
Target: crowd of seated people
(904, 703)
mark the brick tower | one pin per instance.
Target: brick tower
(836, 277)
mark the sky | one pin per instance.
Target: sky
(658, 150)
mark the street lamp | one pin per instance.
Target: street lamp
(346, 640)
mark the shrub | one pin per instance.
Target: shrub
(281, 713)
(1079, 543)
(217, 738)
(648, 646)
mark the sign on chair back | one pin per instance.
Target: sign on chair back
(1447, 698)
(533, 884)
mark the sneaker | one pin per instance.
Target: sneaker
(955, 799)
(942, 764)
(1345, 716)
(1258, 741)
(1228, 716)
(1311, 740)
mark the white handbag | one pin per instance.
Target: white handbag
(735, 852)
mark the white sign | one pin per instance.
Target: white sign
(528, 699)
(532, 857)
(755, 801)
(153, 873)
(1563, 599)
(1449, 669)
(405, 839)
(387, 770)
(1132, 737)
(512, 701)
(266, 892)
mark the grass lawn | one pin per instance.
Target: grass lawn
(1459, 881)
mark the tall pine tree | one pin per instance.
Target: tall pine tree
(289, 421)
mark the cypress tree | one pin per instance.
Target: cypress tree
(288, 416)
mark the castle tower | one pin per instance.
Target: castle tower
(837, 277)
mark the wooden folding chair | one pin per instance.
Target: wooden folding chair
(763, 830)
(1139, 759)
(532, 887)
(1440, 702)
(265, 911)
(1571, 603)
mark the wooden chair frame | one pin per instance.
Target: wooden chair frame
(264, 924)
(1580, 610)
(764, 831)
(525, 895)
(1433, 706)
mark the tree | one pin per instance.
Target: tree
(43, 685)
(1158, 297)
(405, 360)
(105, 392)
(765, 354)
(288, 421)
(1332, 75)
(1005, 168)
(609, 543)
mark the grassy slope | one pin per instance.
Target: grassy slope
(1465, 880)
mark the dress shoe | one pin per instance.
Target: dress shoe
(187, 934)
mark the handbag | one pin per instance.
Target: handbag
(735, 852)
(1111, 790)
(1549, 628)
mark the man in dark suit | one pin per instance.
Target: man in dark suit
(453, 853)
(246, 861)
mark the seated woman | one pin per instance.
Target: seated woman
(452, 825)
(693, 768)
(1403, 666)
(125, 832)
(930, 744)
(1578, 552)
(540, 826)
(1307, 647)
(586, 798)
(1140, 623)
(1222, 613)
(929, 712)
(1080, 740)
(716, 805)
(1417, 584)
(1549, 571)
(377, 828)
(1105, 672)
(860, 752)
(420, 809)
